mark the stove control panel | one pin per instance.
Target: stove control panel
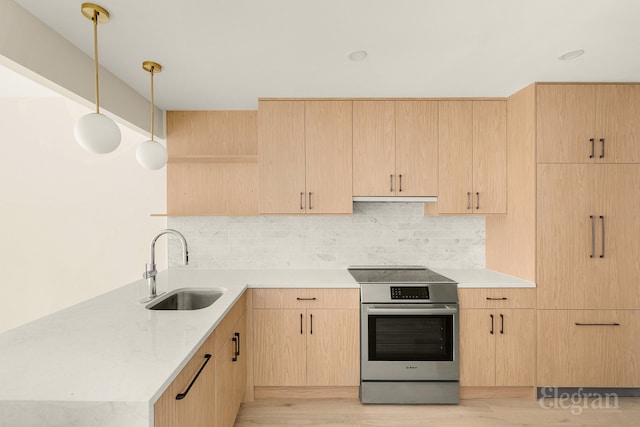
(409, 292)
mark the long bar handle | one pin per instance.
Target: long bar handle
(181, 396)
(502, 324)
(235, 350)
(593, 148)
(306, 299)
(310, 207)
(400, 188)
(496, 299)
(311, 326)
(302, 201)
(602, 145)
(598, 324)
(237, 334)
(411, 311)
(391, 183)
(602, 219)
(478, 204)
(593, 235)
(468, 200)
(491, 331)
(300, 323)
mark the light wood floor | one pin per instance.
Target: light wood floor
(477, 412)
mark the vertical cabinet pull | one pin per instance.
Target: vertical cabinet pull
(181, 396)
(391, 183)
(602, 220)
(502, 324)
(300, 323)
(593, 148)
(593, 235)
(478, 204)
(311, 328)
(602, 146)
(310, 207)
(237, 334)
(301, 201)
(491, 331)
(400, 187)
(468, 200)
(235, 350)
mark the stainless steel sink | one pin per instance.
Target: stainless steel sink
(186, 299)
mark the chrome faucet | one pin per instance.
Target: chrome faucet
(150, 269)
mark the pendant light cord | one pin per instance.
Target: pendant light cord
(153, 109)
(95, 56)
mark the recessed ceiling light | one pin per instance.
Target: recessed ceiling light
(357, 55)
(571, 55)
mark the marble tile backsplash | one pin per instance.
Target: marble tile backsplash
(376, 233)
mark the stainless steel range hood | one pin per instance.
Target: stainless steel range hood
(396, 199)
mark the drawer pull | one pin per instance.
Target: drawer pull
(496, 299)
(235, 350)
(311, 328)
(598, 324)
(502, 324)
(181, 396)
(237, 334)
(306, 299)
(491, 331)
(300, 323)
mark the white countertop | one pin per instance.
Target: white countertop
(104, 362)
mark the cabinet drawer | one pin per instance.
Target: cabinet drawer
(497, 298)
(306, 298)
(589, 348)
(229, 322)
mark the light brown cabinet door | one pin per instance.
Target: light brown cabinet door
(617, 123)
(197, 408)
(588, 348)
(280, 347)
(515, 347)
(333, 344)
(489, 157)
(240, 368)
(328, 130)
(374, 148)
(281, 156)
(588, 223)
(225, 397)
(455, 157)
(416, 148)
(478, 347)
(566, 123)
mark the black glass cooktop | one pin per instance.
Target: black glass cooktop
(399, 274)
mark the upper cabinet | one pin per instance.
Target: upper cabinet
(213, 163)
(395, 148)
(305, 157)
(472, 151)
(588, 123)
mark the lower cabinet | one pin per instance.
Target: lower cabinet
(231, 376)
(306, 337)
(589, 348)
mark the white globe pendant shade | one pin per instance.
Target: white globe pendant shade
(151, 155)
(97, 133)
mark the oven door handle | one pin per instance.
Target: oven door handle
(427, 311)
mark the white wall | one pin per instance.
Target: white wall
(74, 224)
(376, 233)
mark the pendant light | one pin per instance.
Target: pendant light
(151, 154)
(96, 132)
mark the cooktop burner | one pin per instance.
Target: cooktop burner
(397, 274)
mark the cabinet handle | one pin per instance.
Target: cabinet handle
(301, 201)
(468, 200)
(181, 396)
(235, 350)
(602, 145)
(496, 299)
(502, 324)
(306, 299)
(391, 183)
(602, 219)
(311, 328)
(400, 187)
(478, 196)
(300, 323)
(593, 147)
(237, 334)
(491, 331)
(598, 324)
(593, 235)
(310, 207)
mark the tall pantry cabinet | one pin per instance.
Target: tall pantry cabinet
(588, 228)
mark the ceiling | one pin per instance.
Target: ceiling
(224, 54)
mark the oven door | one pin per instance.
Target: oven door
(415, 342)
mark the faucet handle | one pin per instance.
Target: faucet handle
(150, 271)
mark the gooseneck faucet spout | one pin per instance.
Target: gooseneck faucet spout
(150, 269)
